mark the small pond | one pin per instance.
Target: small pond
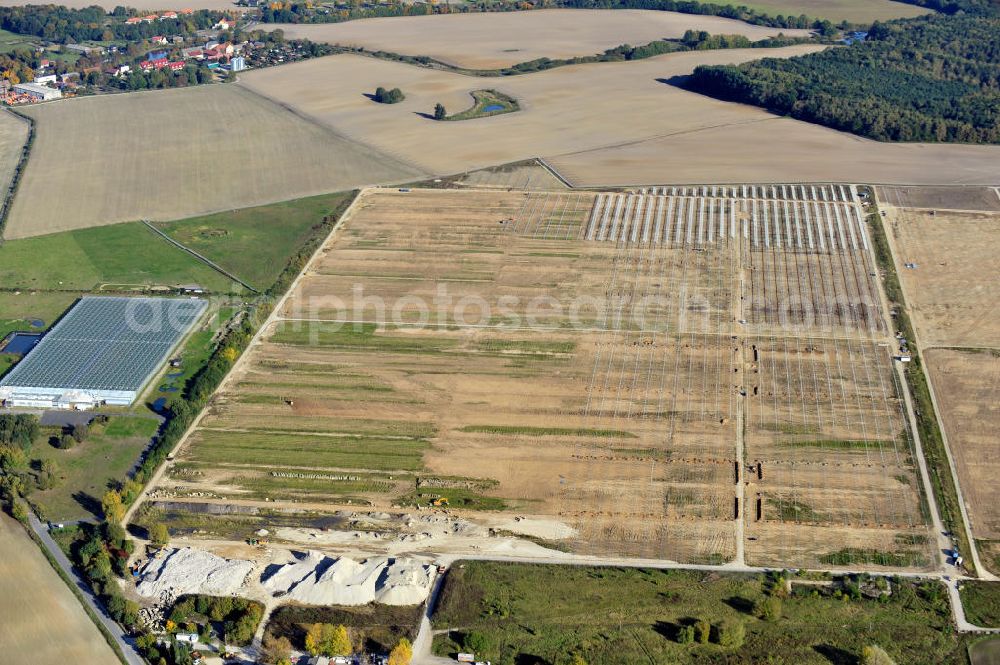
(20, 343)
(493, 107)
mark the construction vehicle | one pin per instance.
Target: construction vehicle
(440, 502)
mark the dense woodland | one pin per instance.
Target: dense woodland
(935, 78)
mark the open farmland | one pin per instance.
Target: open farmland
(795, 151)
(951, 302)
(967, 385)
(13, 134)
(178, 153)
(562, 110)
(496, 40)
(635, 368)
(36, 603)
(604, 124)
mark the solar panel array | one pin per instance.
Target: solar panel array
(107, 343)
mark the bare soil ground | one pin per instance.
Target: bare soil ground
(766, 148)
(495, 40)
(563, 110)
(950, 198)
(953, 290)
(967, 385)
(621, 424)
(178, 153)
(41, 621)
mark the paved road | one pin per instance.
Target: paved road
(124, 641)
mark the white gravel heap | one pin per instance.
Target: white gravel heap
(179, 571)
(317, 579)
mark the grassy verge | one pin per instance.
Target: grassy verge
(487, 103)
(22, 164)
(982, 603)
(939, 469)
(546, 613)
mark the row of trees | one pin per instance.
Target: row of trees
(928, 79)
(305, 12)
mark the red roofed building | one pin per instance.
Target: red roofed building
(175, 66)
(160, 63)
(166, 15)
(133, 20)
(158, 39)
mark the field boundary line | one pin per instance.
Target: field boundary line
(22, 164)
(272, 318)
(201, 257)
(555, 173)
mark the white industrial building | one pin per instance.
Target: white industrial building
(40, 92)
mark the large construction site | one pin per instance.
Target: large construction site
(690, 374)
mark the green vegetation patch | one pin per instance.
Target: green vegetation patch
(487, 103)
(840, 444)
(548, 431)
(84, 472)
(855, 555)
(982, 602)
(125, 255)
(283, 449)
(223, 619)
(923, 79)
(359, 337)
(457, 498)
(541, 613)
(377, 628)
(256, 243)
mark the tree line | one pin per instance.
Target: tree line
(933, 78)
(305, 12)
(67, 26)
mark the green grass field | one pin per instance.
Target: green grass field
(982, 603)
(86, 469)
(11, 40)
(546, 614)
(254, 243)
(125, 255)
(854, 11)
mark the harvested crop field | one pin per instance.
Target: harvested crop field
(562, 110)
(604, 124)
(795, 152)
(591, 360)
(986, 199)
(967, 386)
(13, 134)
(496, 40)
(186, 152)
(34, 602)
(951, 302)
